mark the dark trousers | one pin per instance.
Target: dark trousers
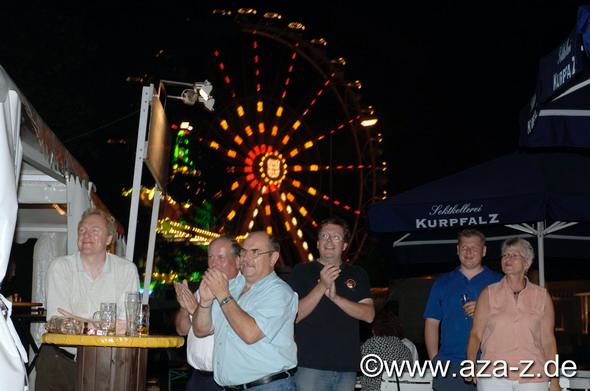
(55, 370)
(202, 381)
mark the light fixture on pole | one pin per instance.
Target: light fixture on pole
(197, 92)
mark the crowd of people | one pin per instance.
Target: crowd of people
(247, 328)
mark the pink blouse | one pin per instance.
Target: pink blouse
(514, 328)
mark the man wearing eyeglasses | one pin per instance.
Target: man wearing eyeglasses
(335, 296)
(252, 318)
(222, 254)
(450, 307)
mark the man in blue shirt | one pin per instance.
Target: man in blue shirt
(450, 308)
(252, 319)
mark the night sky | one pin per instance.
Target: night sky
(447, 80)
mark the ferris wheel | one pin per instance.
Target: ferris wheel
(285, 147)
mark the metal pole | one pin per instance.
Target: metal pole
(146, 98)
(541, 251)
(149, 263)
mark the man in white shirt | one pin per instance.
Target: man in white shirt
(223, 254)
(76, 285)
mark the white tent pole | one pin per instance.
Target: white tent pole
(523, 228)
(146, 98)
(559, 226)
(397, 242)
(541, 252)
(149, 263)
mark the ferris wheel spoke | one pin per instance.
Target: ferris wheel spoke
(238, 108)
(301, 210)
(290, 225)
(306, 144)
(235, 137)
(286, 136)
(239, 199)
(227, 153)
(310, 191)
(280, 105)
(337, 167)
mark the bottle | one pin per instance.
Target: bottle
(143, 321)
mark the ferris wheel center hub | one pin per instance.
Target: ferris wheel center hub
(272, 168)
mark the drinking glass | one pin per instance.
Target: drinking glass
(143, 320)
(132, 307)
(106, 318)
(464, 299)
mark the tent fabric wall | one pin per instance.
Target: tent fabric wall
(12, 353)
(78, 201)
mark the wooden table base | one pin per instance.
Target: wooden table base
(111, 369)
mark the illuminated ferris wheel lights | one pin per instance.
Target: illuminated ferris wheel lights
(267, 210)
(296, 26)
(289, 209)
(297, 168)
(287, 226)
(294, 152)
(240, 111)
(368, 122)
(305, 245)
(314, 167)
(255, 213)
(238, 140)
(279, 112)
(231, 215)
(296, 183)
(285, 140)
(300, 233)
(294, 221)
(259, 201)
(247, 11)
(251, 224)
(243, 199)
(224, 125)
(303, 211)
(269, 230)
(259, 106)
(248, 130)
(214, 145)
(319, 41)
(261, 127)
(310, 257)
(290, 197)
(234, 185)
(312, 191)
(184, 125)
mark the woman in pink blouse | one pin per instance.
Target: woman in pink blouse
(514, 326)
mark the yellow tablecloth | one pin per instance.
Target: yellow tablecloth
(151, 341)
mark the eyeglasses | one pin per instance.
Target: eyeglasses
(511, 255)
(334, 238)
(253, 252)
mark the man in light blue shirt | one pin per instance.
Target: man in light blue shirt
(252, 319)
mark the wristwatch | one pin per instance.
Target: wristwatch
(225, 301)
